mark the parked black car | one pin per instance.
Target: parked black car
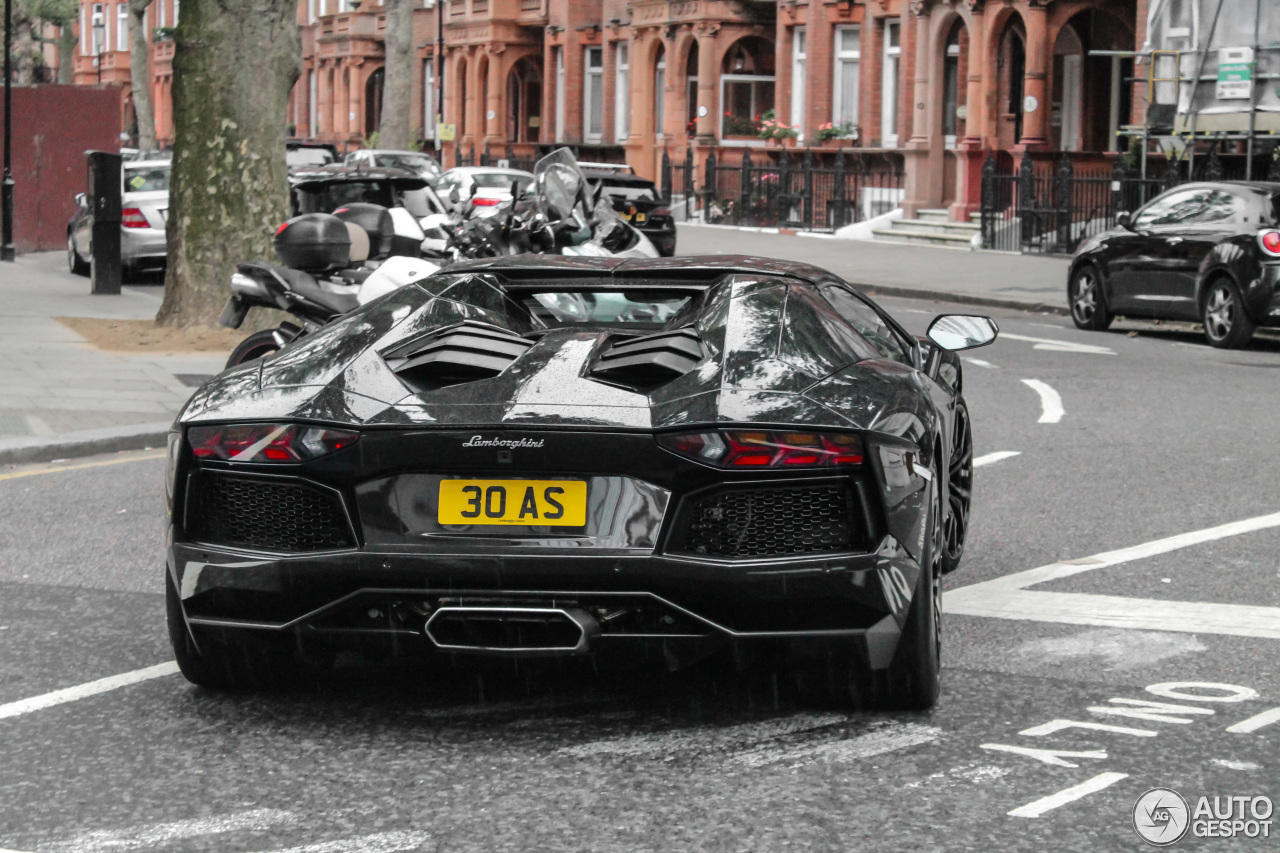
(638, 201)
(1204, 251)
(594, 457)
(323, 189)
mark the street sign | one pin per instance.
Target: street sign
(446, 132)
(1235, 73)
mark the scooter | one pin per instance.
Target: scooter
(326, 272)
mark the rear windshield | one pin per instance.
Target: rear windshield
(152, 179)
(606, 307)
(326, 197)
(415, 162)
(630, 191)
(296, 157)
(492, 181)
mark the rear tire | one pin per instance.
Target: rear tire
(219, 666)
(1226, 323)
(255, 346)
(1085, 299)
(75, 263)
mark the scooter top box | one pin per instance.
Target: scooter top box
(314, 242)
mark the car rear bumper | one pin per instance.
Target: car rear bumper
(142, 244)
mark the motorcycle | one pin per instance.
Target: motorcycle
(326, 271)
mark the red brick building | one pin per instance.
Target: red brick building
(932, 85)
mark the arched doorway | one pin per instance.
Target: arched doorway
(482, 106)
(373, 101)
(659, 88)
(1089, 96)
(462, 100)
(691, 91)
(955, 71)
(1011, 69)
(524, 102)
(746, 85)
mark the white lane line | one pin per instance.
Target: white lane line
(7, 850)
(993, 458)
(891, 739)
(1068, 795)
(1054, 345)
(1008, 597)
(60, 468)
(1254, 723)
(977, 362)
(381, 842)
(1051, 410)
(154, 835)
(83, 691)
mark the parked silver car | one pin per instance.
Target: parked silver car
(145, 211)
(480, 189)
(423, 165)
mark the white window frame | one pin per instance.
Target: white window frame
(177, 4)
(660, 95)
(889, 86)
(160, 20)
(122, 26)
(743, 78)
(949, 139)
(592, 76)
(84, 30)
(313, 106)
(622, 93)
(845, 57)
(559, 51)
(429, 98)
(798, 56)
(311, 11)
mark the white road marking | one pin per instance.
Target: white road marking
(1008, 597)
(83, 691)
(1055, 726)
(1141, 709)
(1256, 722)
(1051, 410)
(683, 741)
(381, 842)
(977, 362)
(1223, 762)
(1055, 757)
(154, 835)
(890, 739)
(1068, 795)
(1054, 345)
(993, 458)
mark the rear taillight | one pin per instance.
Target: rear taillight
(740, 448)
(267, 442)
(661, 211)
(131, 217)
(283, 225)
(484, 201)
(1270, 242)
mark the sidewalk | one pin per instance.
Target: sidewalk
(60, 395)
(997, 279)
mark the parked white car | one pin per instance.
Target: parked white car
(480, 189)
(145, 212)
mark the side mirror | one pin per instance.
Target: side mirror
(962, 331)
(81, 201)
(1125, 220)
(454, 196)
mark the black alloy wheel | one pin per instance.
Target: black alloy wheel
(1088, 306)
(255, 346)
(915, 676)
(959, 490)
(1226, 324)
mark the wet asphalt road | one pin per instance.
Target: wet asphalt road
(1159, 436)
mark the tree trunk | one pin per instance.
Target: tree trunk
(25, 49)
(66, 44)
(234, 65)
(140, 74)
(395, 130)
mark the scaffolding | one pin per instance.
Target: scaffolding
(1212, 75)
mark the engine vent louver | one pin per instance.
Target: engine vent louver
(646, 362)
(462, 353)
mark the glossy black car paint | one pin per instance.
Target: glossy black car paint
(771, 363)
(660, 229)
(1164, 271)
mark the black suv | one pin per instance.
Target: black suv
(638, 201)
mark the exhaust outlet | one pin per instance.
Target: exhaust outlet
(513, 631)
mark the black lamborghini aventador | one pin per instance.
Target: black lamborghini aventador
(547, 456)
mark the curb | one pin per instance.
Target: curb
(17, 451)
(961, 298)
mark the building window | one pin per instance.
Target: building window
(593, 93)
(622, 101)
(797, 79)
(160, 12)
(97, 34)
(429, 98)
(84, 31)
(313, 111)
(845, 91)
(889, 85)
(746, 97)
(659, 93)
(176, 6)
(122, 26)
(559, 94)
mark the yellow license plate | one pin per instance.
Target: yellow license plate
(640, 217)
(626, 216)
(559, 503)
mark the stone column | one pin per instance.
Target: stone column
(497, 97)
(1035, 86)
(922, 186)
(920, 113)
(340, 90)
(708, 83)
(969, 153)
(324, 102)
(355, 102)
